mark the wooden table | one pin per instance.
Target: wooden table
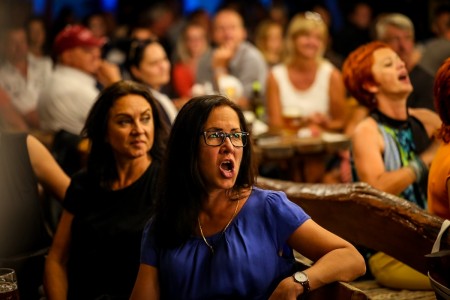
(300, 155)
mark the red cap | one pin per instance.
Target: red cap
(73, 36)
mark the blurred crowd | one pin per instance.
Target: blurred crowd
(288, 71)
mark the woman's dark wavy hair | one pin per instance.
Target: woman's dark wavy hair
(442, 99)
(182, 187)
(101, 163)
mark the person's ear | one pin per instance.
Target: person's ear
(370, 87)
(135, 72)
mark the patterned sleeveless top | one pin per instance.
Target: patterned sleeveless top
(403, 140)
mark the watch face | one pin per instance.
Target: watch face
(300, 277)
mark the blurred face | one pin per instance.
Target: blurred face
(98, 26)
(362, 15)
(16, 45)
(195, 38)
(440, 24)
(86, 59)
(36, 33)
(219, 166)
(274, 39)
(402, 41)
(154, 69)
(228, 29)
(309, 44)
(130, 130)
(390, 73)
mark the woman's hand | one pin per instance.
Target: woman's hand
(288, 289)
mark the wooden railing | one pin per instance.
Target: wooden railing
(367, 217)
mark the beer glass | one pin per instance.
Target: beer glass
(8, 285)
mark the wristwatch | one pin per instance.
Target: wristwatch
(302, 278)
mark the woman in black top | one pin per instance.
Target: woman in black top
(96, 249)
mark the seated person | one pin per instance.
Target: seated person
(26, 166)
(148, 64)
(65, 101)
(393, 147)
(215, 235)
(95, 252)
(306, 90)
(191, 45)
(232, 56)
(306, 83)
(22, 75)
(438, 179)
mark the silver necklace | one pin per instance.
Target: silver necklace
(223, 231)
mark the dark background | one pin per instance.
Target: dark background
(124, 10)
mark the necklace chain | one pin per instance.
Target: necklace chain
(223, 231)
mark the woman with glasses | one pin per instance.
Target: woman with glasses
(95, 252)
(214, 235)
(148, 64)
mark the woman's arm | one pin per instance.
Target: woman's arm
(55, 274)
(274, 109)
(335, 260)
(147, 284)
(338, 104)
(367, 147)
(46, 169)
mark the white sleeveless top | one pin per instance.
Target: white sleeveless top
(312, 100)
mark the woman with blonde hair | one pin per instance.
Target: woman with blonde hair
(307, 84)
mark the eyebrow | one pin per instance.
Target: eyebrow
(221, 129)
(121, 114)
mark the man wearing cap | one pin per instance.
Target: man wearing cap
(65, 102)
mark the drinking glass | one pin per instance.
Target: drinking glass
(293, 118)
(8, 285)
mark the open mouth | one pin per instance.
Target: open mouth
(227, 165)
(403, 77)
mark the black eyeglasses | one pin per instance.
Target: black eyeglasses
(217, 138)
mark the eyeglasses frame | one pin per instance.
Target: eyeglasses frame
(226, 135)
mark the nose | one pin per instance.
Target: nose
(401, 64)
(138, 128)
(227, 146)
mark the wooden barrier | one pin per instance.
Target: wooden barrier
(368, 217)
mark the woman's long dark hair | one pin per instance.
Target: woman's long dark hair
(182, 187)
(101, 164)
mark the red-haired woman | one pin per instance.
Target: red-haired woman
(438, 180)
(393, 147)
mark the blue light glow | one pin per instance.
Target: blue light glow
(39, 7)
(109, 5)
